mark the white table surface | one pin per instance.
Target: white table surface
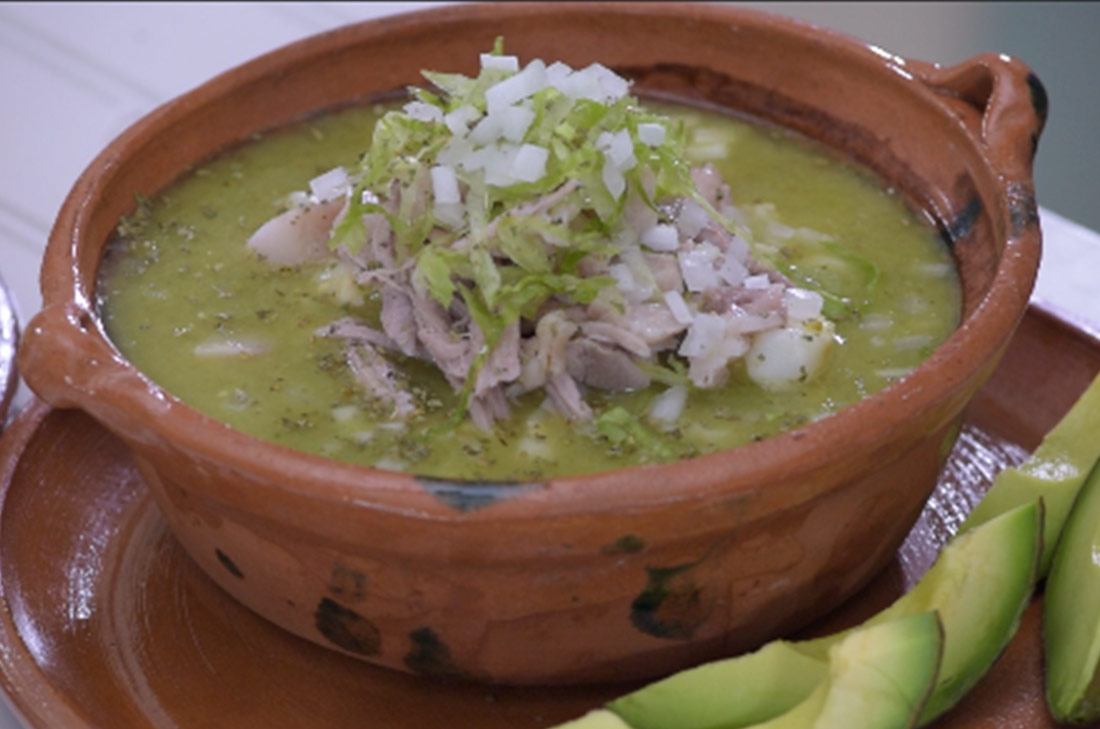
(74, 76)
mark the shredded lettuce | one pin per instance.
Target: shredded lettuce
(619, 426)
(544, 180)
(502, 263)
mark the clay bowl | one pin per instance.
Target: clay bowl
(619, 575)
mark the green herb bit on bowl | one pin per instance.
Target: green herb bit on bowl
(536, 229)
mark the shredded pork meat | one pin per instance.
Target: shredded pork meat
(606, 344)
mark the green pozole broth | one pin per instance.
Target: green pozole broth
(178, 277)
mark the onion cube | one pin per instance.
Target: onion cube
(651, 134)
(516, 88)
(732, 271)
(529, 163)
(458, 121)
(445, 185)
(661, 237)
(679, 308)
(504, 63)
(759, 281)
(329, 185)
(515, 121)
(423, 111)
(613, 180)
(698, 269)
(802, 304)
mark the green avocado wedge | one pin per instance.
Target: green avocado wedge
(1054, 472)
(726, 694)
(596, 719)
(980, 585)
(1071, 613)
(879, 678)
(999, 558)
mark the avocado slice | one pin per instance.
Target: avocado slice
(1000, 558)
(1054, 472)
(596, 719)
(876, 677)
(879, 678)
(980, 584)
(1071, 613)
(728, 693)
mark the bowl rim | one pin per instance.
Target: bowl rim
(295, 474)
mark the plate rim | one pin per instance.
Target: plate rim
(31, 694)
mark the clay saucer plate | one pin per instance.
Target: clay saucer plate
(9, 335)
(104, 621)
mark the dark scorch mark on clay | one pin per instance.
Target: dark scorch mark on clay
(626, 544)
(430, 656)
(473, 495)
(346, 628)
(347, 584)
(671, 605)
(964, 221)
(229, 564)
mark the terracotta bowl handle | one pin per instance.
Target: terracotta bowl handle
(66, 338)
(1002, 103)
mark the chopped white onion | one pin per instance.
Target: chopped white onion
(679, 308)
(661, 237)
(580, 85)
(423, 111)
(515, 121)
(595, 82)
(458, 121)
(529, 163)
(624, 278)
(739, 248)
(488, 130)
(668, 406)
(452, 215)
(504, 63)
(228, 347)
(759, 281)
(329, 185)
(613, 86)
(445, 185)
(613, 179)
(697, 268)
(732, 271)
(455, 152)
(802, 304)
(692, 219)
(516, 88)
(908, 344)
(706, 330)
(651, 134)
(617, 148)
(498, 164)
(476, 159)
(556, 75)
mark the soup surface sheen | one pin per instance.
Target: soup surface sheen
(179, 291)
